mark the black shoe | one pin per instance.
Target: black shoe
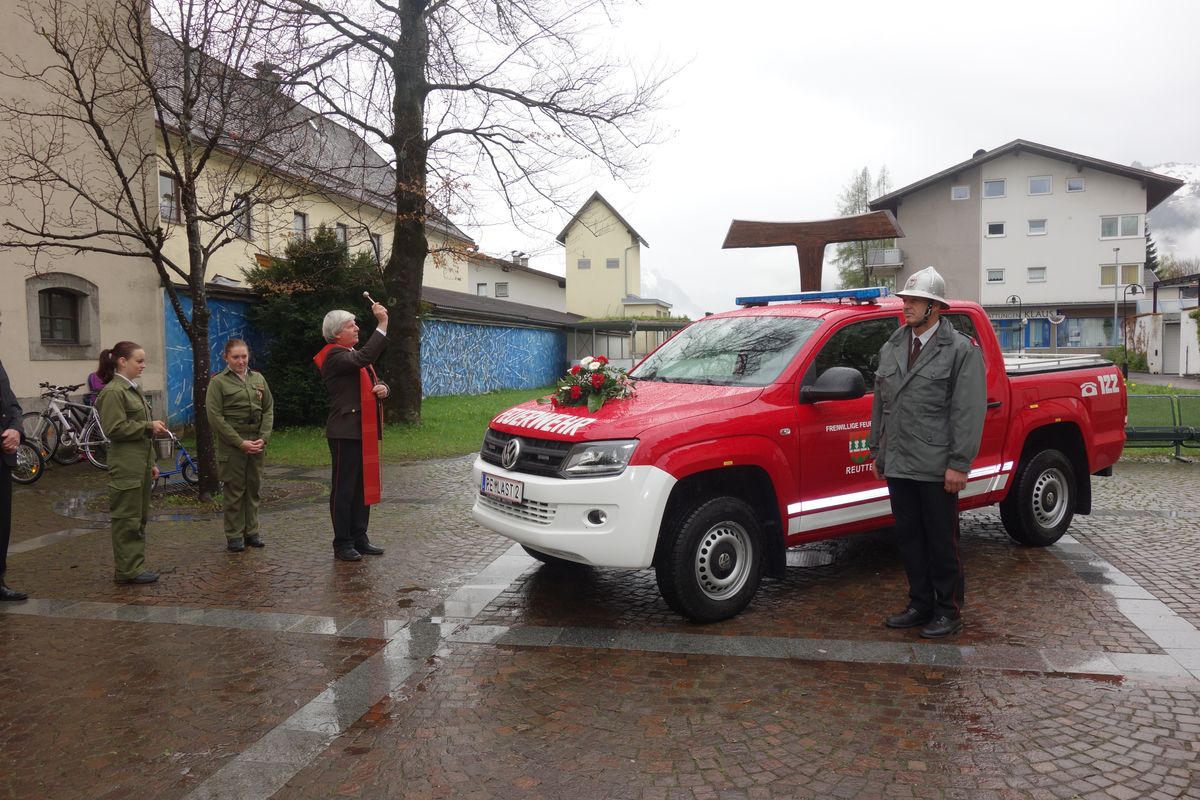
(368, 549)
(234, 545)
(11, 594)
(908, 618)
(145, 577)
(347, 554)
(942, 626)
(254, 540)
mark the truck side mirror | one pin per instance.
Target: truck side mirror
(835, 383)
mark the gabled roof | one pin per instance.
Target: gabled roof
(303, 145)
(448, 304)
(1158, 187)
(509, 266)
(562, 237)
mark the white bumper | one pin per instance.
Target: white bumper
(553, 517)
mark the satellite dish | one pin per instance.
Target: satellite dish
(1056, 319)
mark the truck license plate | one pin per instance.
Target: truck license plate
(502, 489)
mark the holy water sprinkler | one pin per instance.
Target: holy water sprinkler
(369, 298)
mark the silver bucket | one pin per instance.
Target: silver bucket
(164, 448)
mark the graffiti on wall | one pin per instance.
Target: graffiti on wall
(228, 320)
(458, 358)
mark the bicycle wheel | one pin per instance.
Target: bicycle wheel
(44, 430)
(67, 451)
(29, 463)
(95, 445)
(188, 470)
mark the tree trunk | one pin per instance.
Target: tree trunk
(405, 270)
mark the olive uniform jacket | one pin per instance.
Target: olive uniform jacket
(929, 419)
(239, 409)
(340, 373)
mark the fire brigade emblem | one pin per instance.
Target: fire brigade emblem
(860, 449)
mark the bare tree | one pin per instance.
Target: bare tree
(852, 259)
(157, 125)
(470, 98)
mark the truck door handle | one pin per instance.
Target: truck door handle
(994, 403)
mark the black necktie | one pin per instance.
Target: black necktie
(916, 351)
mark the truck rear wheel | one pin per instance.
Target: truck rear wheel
(1041, 504)
(713, 560)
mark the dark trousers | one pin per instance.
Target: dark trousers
(349, 513)
(927, 536)
(5, 513)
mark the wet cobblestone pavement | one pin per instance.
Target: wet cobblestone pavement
(456, 667)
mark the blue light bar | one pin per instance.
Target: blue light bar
(857, 295)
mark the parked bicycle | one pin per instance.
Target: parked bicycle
(185, 467)
(29, 462)
(66, 430)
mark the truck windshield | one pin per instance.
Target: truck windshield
(731, 351)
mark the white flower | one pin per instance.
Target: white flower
(583, 362)
(595, 365)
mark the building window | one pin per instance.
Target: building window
(1037, 227)
(960, 192)
(995, 276)
(1088, 332)
(377, 247)
(501, 290)
(1040, 184)
(481, 289)
(994, 188)
(58, 313)
(1037, 274)
(342, 233)
(612, 263)
(168, 198)
(584, 263)
(1008, 331)
(240, 224)
(995, 229)
(1130, 273)
(1115, 227)
(300, 225)
(1074, 184)
(1037, 333)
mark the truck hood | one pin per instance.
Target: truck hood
(654, 404)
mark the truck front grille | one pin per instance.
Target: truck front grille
(538, 456)
(528, 510)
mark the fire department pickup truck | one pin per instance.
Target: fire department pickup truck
(748, 435)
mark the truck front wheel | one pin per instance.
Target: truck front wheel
(712, 564)
(1039, 507)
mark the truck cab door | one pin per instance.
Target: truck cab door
(837, 484)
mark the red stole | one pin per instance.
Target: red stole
(372, 431)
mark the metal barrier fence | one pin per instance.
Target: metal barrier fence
(1161, 420)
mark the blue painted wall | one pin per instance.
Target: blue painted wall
(228, 320)
(458, 358)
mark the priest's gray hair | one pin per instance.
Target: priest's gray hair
(333, 323)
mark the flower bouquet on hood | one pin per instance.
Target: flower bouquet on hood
(590, 383)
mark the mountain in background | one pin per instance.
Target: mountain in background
(1175, 223)
(660, 288)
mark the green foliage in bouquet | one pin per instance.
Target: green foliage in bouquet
(590, 383)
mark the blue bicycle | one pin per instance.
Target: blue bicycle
(170, 447)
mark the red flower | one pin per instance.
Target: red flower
(602, 359)
(575, 370)
(597, 380)
(576, 391)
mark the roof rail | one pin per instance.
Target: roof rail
(857, 296)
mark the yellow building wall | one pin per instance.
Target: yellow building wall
(597, 235)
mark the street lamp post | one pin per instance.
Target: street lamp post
(1015, 300)
(1135, 289)
(1116, 289)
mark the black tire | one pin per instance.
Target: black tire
(41, 429)
(188, 471)
(1041, 504)
(712, 560)
(29, 463)
(95, 446)
(67, 451)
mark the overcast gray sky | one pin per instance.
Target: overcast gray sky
(778, 104)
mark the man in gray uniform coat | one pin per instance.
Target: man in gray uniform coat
(926, 424)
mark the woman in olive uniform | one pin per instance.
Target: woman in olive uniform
(241, 413)
(125, 418)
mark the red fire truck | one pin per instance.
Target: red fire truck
(748, 433)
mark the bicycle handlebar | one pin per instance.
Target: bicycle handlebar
(52, 389)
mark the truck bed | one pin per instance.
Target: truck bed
(1032, 363)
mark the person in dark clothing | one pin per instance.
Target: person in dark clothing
(354, 428)
(10, 424)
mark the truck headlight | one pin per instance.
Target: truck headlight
(590, 459)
